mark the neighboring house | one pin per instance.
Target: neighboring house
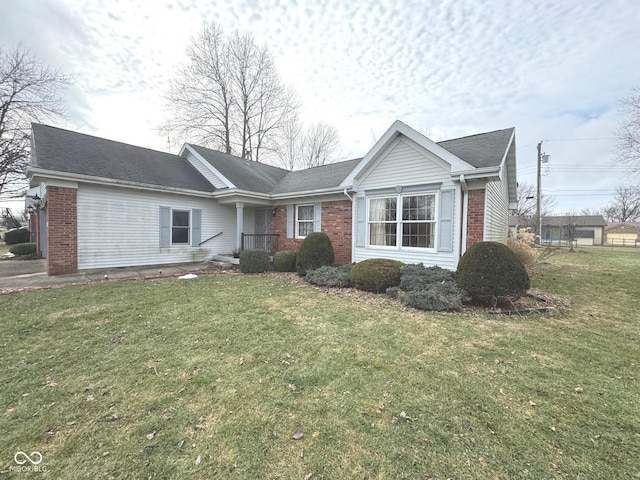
(627, 233)
(108, 204)
(587, 229)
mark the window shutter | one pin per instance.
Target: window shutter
(317, 217)
(361, 222)
(196, 227)
(289, 221)
(165, 227)
(445, 237)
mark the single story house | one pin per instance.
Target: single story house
(622, 233)
(588, 229)
(99, 203)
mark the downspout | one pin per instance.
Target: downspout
(463, 230)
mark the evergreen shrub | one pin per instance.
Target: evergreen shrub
(315, 251)
(254, 260)
(489, 270)
(23, 249)
(376, 274)
(330, 276)
(438, 297)
(418, 277)
(17, 235)
(285, 261)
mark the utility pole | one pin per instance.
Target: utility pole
(542, 158)
(538, 219)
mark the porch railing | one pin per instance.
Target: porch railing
(261, 241)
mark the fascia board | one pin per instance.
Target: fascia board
(40, 174)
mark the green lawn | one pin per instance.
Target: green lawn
(212, 378)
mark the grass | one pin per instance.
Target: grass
(212, 378)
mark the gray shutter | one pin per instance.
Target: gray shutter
(165, 227)
(317, 217)
(196, 227)
(289, 221)
(361, 222)
(445, 227)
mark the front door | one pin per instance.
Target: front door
(261, 227)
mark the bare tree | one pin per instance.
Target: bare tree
(526, 211)
(319, 143)
(628, 134)
(228, 95)
(625, 206)
(570, 228)
(29, 91)
(308, 147)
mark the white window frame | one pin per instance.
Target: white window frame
(399, 222)
(188, 227)
(298, 221)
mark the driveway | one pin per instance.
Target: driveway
(14, 268)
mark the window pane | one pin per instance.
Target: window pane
(382, 210)
(180, 235)
(383, 234)
(305, 228)
(417, 235)
(305, 212)
(180, 218)
(418, 207)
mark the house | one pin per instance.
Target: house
(101, 203)
(622, 233)
(585, 229)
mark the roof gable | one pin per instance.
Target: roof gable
(60, 150)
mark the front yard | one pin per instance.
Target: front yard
(238, 376)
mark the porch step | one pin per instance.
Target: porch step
(225, 258)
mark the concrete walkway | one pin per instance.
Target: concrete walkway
(15, 274)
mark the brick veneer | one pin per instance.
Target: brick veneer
(475, 217)
(62, 230)
(336, 223)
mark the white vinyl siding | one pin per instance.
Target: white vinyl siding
(121, 227)
(205, 171)
(405, 164)
(496, 226)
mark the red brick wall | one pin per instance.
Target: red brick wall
(475, 217)
(62, 230)
(336, 223)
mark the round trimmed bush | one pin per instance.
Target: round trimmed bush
(489, 270)
(284, 261)
(315, 251)
(254, 260)
(23, 249)
(376, 274)
(17, 235)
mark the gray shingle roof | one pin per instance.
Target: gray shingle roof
(71, 152)
(244, 174)
(481, 150)
(580, 220)
(326, 176)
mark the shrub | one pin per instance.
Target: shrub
(439, 297)
(284, 261)
(376, 274)
(17, 235)
(330, 276)
(522, 246)
(315, 251)
(254, 260)
(416, 277)
(23, 249)
(489, 270)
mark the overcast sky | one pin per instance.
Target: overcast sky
(555, 70)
